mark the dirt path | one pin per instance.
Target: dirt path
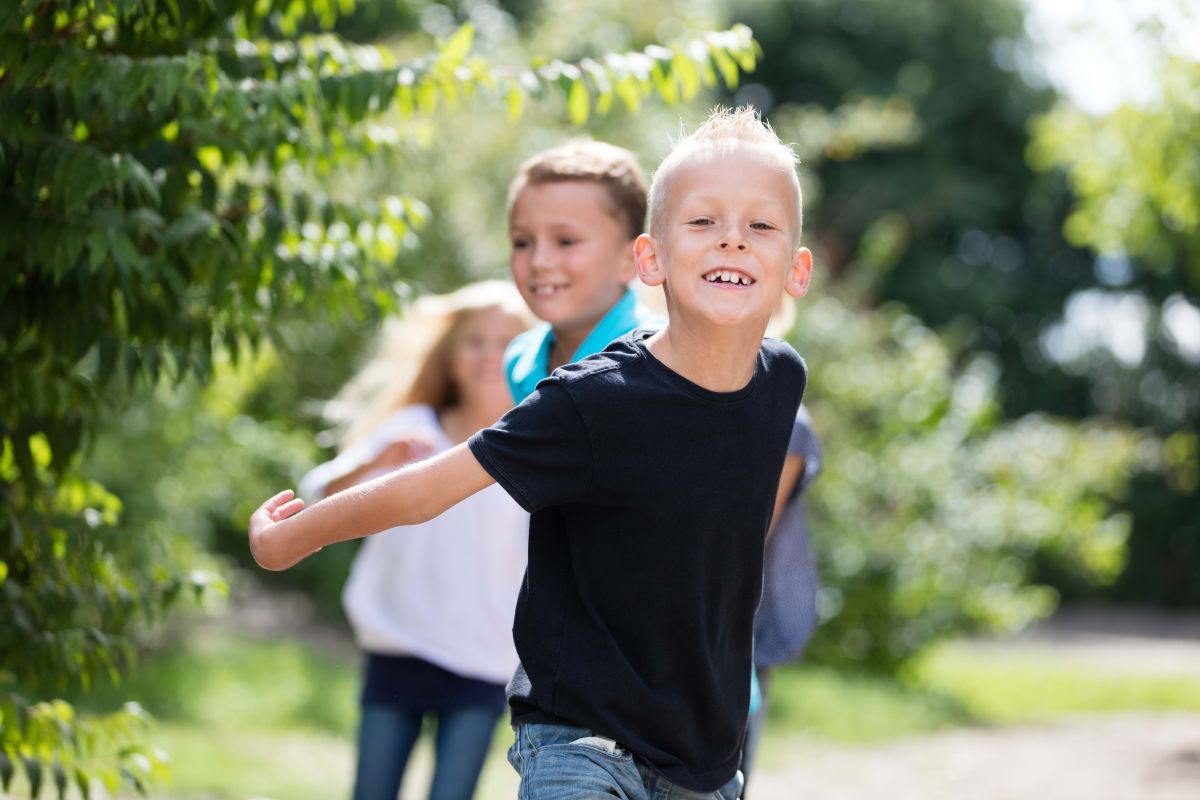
(1110, 757)
(1129, 756)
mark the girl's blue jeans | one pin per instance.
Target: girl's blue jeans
(557, 762)
(386, 737)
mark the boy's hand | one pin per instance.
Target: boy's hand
(268, 550)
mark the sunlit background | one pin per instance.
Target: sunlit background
(209, 213)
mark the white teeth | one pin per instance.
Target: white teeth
(725, 276)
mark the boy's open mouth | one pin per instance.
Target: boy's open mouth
(728, 276)
(547, 289)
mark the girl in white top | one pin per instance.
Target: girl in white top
(432, 605)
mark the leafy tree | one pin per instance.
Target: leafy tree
(1137, 186)
(950, 220)
(1135, 176)
(164, 169)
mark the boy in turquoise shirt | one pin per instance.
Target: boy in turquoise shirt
(574, 213)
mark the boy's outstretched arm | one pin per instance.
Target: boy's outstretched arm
(280, 537)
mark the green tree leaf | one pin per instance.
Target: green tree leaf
(456, 49)
(578, 104)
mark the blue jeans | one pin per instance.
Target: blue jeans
(386, 737)
(562, 762)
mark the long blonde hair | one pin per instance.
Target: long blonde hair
(411, 363)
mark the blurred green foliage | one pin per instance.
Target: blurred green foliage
(1013, 224)
(1137, 184)
(931, 507)
(948, 219)
(1131, 339)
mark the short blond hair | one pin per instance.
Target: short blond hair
(614, 168)
(726, 129)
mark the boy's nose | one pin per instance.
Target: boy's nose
(541, 257)
(731, 237)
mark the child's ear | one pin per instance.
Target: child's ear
(799, 273)
(645, 257)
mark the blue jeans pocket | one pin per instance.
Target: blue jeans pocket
(592, 744)
(559, 761)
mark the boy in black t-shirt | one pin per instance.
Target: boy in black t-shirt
(650, 470)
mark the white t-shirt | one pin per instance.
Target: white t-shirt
(443, 591)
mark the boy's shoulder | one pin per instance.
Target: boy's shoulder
(620, 354)
(780, 349)
(781, 352)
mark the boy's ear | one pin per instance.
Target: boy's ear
(799, 273)
(645, 257)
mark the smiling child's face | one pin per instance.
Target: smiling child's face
(477, 355)
(571, 257)
(727, 250)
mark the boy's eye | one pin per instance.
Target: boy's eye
(762, 226)
(566, 242)
(520, 244)
(700, 221)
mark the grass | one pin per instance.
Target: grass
(218, 678)
(251, 718)
(826, 704)
(237, 762)
(961, 683)
(1006, 685)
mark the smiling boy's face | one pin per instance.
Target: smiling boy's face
(571, 256)
(726, 248)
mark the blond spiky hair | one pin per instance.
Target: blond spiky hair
(725, 129)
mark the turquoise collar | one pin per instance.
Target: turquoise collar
(527, 358)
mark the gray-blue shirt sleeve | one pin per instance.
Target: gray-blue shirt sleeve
(804, 443)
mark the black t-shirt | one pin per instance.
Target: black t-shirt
(651, 497)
